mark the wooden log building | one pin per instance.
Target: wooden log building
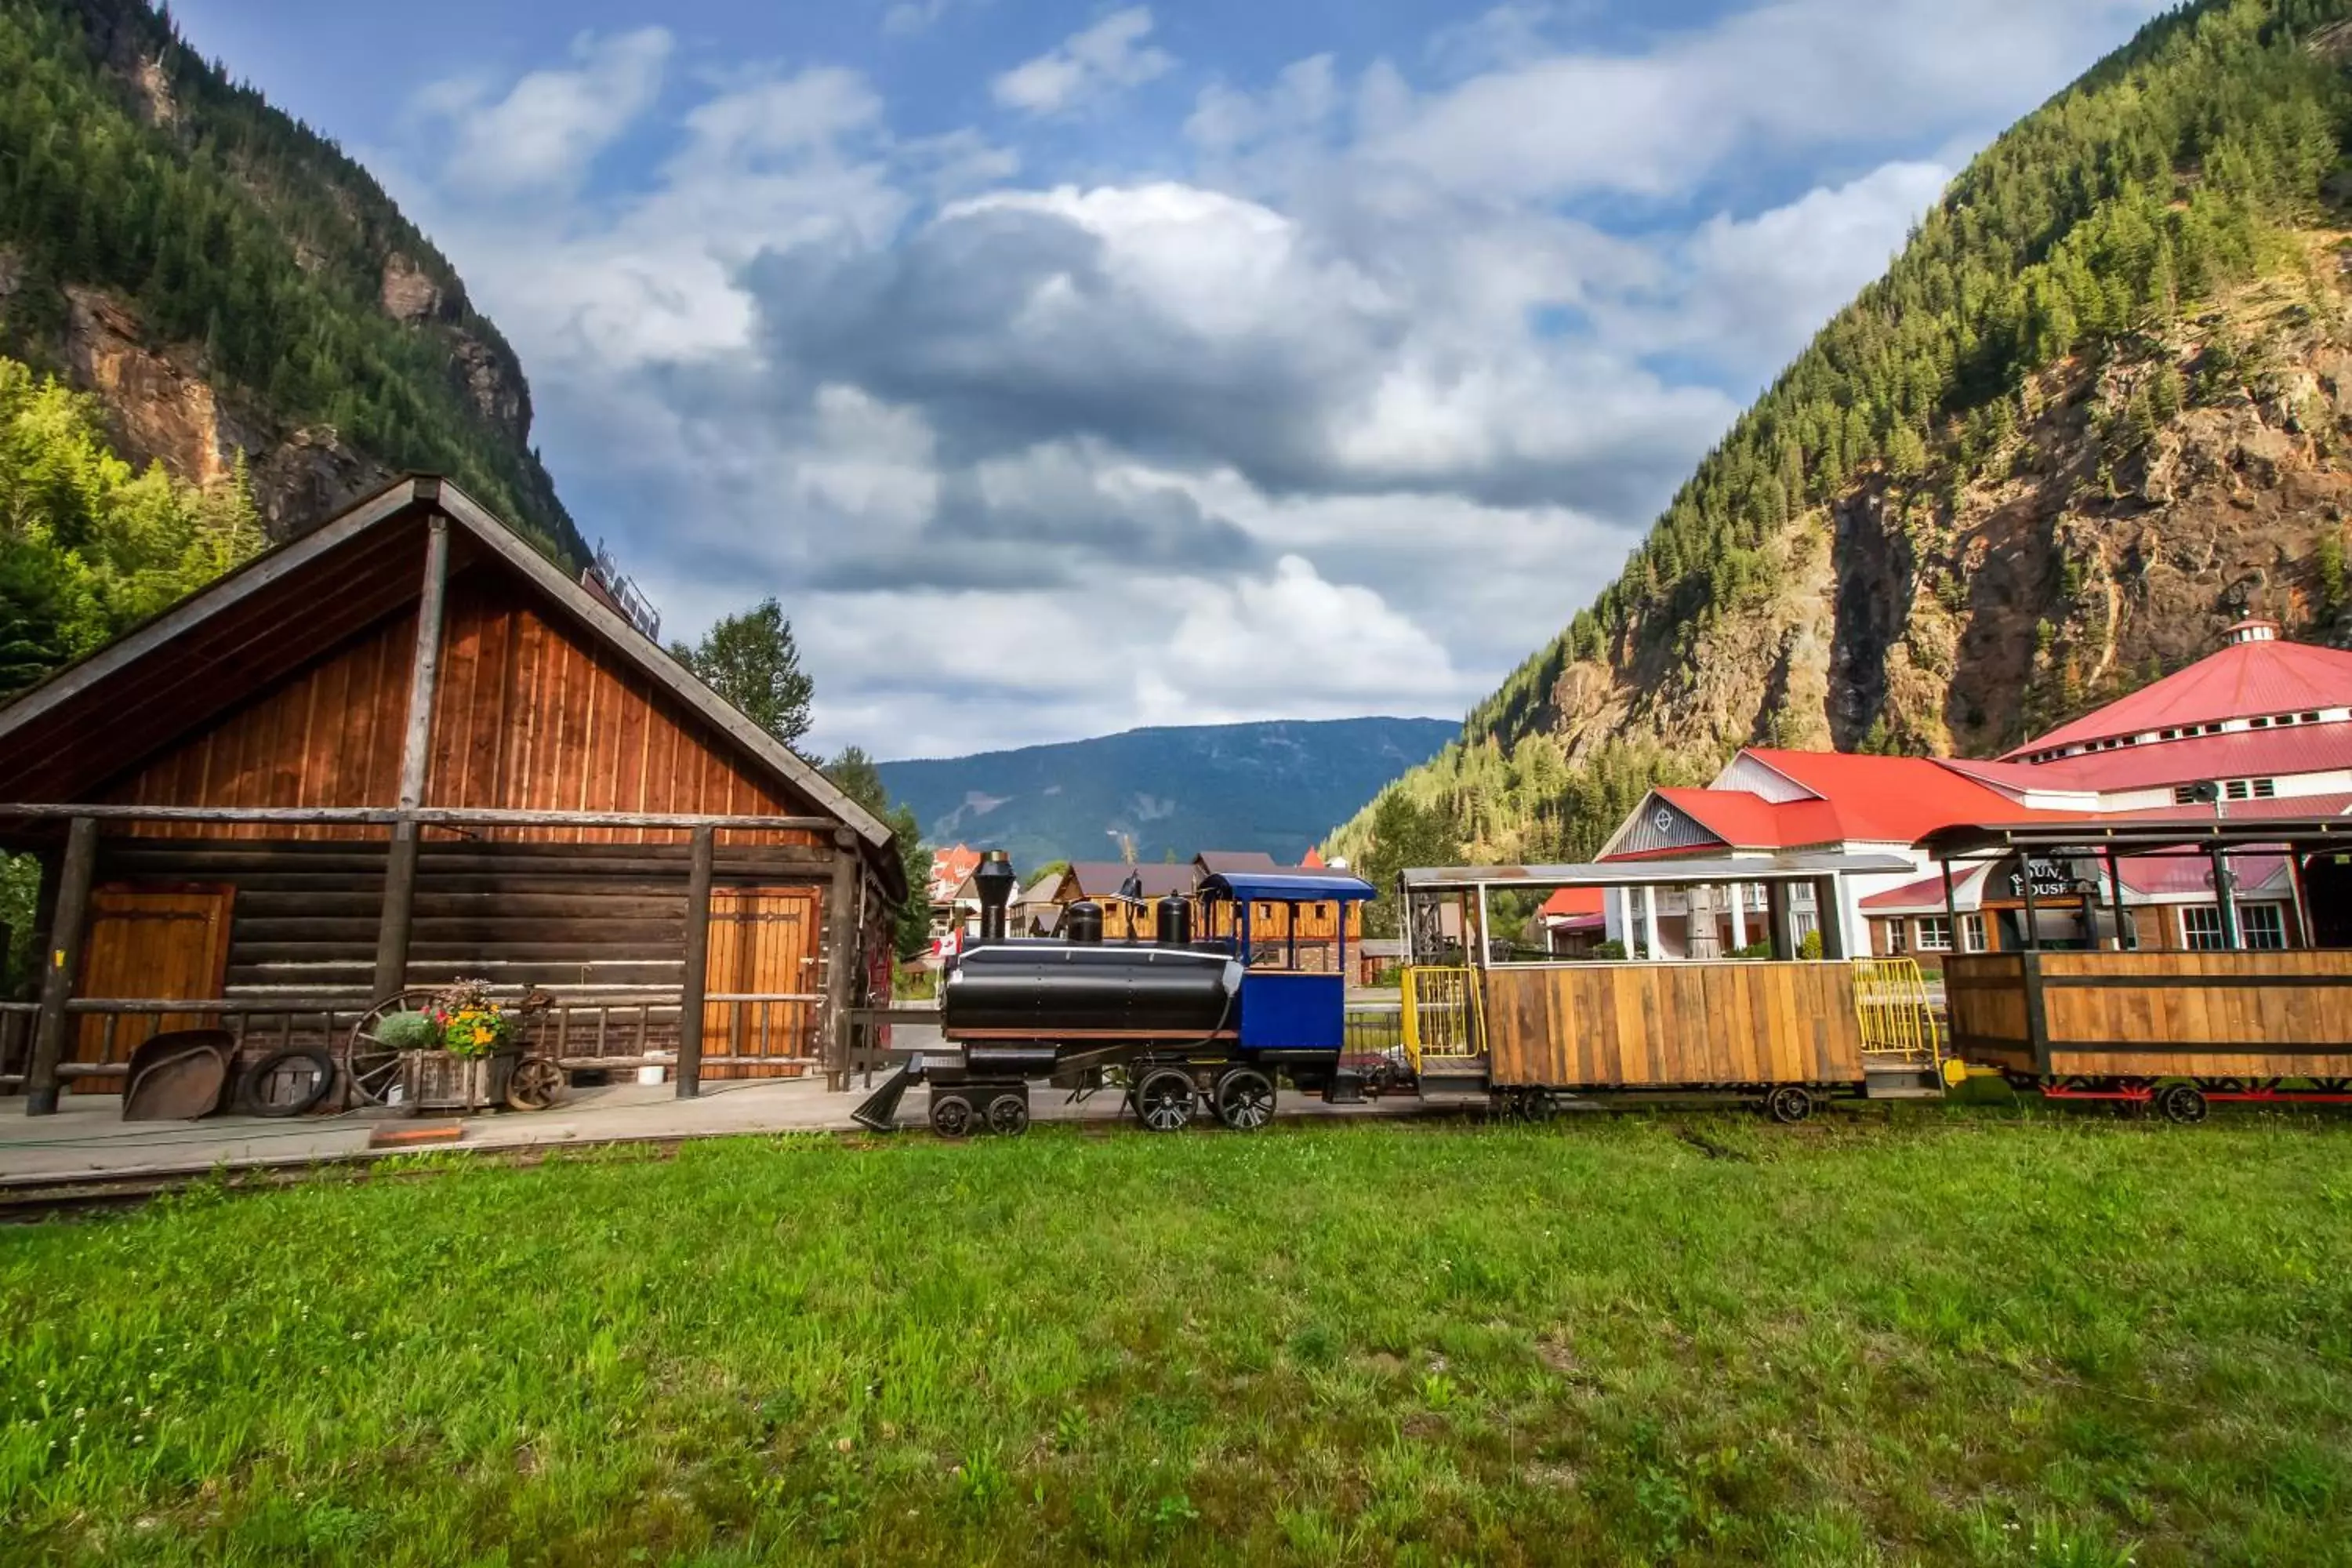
(405, 748)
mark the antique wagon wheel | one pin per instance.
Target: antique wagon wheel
(1789, 1104)
(1245, 1100)
(371, 1066)
(536, 1083)
(2182, 1104)
(1008, 1115)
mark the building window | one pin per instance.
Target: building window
(1898, 934)
(1972, 933)
(2265, 789)
(1936, 934)
(2260, 926)
(2184, 794)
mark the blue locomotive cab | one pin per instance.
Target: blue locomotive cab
(1289, 930)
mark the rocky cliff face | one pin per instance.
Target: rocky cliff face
(2145, 499)
(179, 323)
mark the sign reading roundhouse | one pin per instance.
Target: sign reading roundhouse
(405, 748)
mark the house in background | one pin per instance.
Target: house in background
(1573, 922)
(2266, 724)
(954, 905)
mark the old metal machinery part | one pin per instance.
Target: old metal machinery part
(1789, 1104)
(1008, 1115)
(951, 1116)
(536, 1083)
(371, 1067)
(1082, 923)
(1172, 922)
(2181, 1103)
(1164, 1099)
(1245, 1098)
(287, 1082)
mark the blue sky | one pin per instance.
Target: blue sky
(1067, 367)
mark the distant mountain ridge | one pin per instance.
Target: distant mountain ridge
(1279, 786)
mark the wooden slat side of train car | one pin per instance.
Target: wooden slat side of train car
(2155, 1014)
(1673, 1026)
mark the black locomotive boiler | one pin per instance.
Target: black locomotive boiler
(1186, 1025)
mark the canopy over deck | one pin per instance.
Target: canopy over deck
(1655, 873)
(1287, 886)
(2136, 836)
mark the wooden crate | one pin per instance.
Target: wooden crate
(436, 1081)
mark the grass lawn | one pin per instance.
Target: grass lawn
(1975, 1338)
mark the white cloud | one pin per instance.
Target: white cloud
(550, 124)
(909, 18)
(1344, 407)
(1085, 66)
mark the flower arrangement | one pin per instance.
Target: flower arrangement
(409, 1032)
(472, 1024)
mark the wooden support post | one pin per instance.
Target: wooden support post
(64, 949)
(696, 980)
(415, 756)
(1651, 938)
(1780, 920)
(840, 966)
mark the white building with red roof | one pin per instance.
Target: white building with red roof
(2264, 723)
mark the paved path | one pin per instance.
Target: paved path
(87, 1141)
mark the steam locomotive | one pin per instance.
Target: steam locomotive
(1190, 1026)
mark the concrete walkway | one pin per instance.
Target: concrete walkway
(87, 1143)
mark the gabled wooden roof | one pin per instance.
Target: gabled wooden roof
(66, 738)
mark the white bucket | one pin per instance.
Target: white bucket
(652, 1072)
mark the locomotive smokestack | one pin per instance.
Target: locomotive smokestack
(995, 882)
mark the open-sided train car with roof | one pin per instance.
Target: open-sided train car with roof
(1194, 1026)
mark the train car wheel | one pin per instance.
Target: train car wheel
(1789, 1104)
(1008, 1115)
(2181, 1103)
(1245, 1100)
(1164, 1100)
(951, 1116)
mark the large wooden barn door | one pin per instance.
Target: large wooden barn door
(763, 941)
(166, 942)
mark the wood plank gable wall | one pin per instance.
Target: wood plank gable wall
(528, 715)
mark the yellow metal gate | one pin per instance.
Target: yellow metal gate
(1445, 1017)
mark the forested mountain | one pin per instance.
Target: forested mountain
(230, 286)
(2099, 408)
(1275, 787)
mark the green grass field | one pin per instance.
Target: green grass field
(1973, 1339)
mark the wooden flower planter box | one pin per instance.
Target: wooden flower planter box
(436, 1081)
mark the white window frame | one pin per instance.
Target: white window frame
(1926, 924)
(1898, 938)
(2196, 935)
(1972, 933)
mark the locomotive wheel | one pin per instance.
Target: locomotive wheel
(1164, 1100)
(951, 1116)
(2181, 1103)
(1245, 1100)
(1008, 1115)
(1789, 1104)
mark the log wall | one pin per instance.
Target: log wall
(1659, 1025)
(2155, 1013)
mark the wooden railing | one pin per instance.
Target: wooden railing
(612, 1030)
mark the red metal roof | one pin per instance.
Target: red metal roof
(1566, 902)
(2240, 754)
(1314, 861)
(2239, 681)
(1890, 800)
